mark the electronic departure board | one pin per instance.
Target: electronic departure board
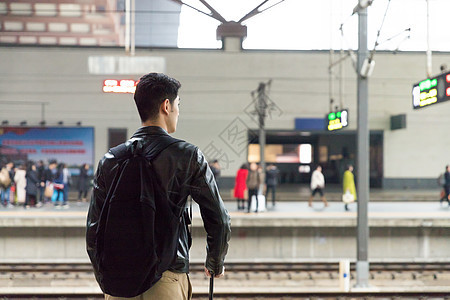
(125, 86)
(337, 120)
(431, 91)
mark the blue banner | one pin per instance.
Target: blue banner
(71, 145)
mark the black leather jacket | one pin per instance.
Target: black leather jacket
(184, 171)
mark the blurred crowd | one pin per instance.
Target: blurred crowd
(34, 184)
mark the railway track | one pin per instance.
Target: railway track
(305, 280)
(244, 267)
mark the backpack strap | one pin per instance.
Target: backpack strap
(119, 150)
(149, 149)
(155, 147)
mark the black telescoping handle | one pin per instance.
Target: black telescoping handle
(211, 287)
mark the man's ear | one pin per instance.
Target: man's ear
(165, 107)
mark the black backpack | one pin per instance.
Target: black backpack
(138, 230)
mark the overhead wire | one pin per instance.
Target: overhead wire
(372, 53)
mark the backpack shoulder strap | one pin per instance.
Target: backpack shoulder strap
(119, 151)
(155, 147)
(150, 150)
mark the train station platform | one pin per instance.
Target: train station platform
(291, 203)
(333, 193)
(408, 229)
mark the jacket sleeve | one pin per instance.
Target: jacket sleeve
(215, 217)
(97, 199)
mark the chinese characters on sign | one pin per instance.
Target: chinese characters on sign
(126, 86)
(431, 91)
(337, 120)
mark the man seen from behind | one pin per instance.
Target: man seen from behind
(182, 170)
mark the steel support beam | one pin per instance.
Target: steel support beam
(362, 264)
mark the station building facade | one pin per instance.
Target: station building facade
(218, 94)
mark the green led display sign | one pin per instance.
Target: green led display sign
(431, 91)
(337, 120)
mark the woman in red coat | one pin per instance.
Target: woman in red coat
(240, 186)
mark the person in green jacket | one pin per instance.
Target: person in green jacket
(349, 184)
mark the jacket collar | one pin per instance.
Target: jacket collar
(149, 130)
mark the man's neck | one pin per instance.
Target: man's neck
(155, 123)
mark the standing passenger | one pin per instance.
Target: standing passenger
(215, 168)
(8, 172)
(181, 170)
(317, 186)
(5, 185)
(50, 175)
(240, 186)
(67, 179)
(21, 183)
(349, 184)
(33, 184)
(83, 182)
(59, 187)
(253, 183)
(446, 185)
(41, 175)
(4, 180)
(271, 182)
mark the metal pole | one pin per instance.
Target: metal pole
(330, 68)
(133, 26)
(261, 115)
(127, 25)
(341, 69)
(429, 62)
(341, 81)
(330, 83)
(362, 263)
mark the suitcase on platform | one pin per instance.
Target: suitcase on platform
(261, 203)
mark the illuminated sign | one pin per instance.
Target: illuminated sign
(431, 91)
(337, 120)
(119, 86)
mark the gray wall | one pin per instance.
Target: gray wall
(216, 90)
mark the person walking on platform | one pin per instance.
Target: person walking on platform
(253, 184)
(446, 185)
(317, 186)
(171, 170)
(349, 188)
(271, 182)
(240, 186)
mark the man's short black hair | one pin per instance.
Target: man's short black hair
(151, 91)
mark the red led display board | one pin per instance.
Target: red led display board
(124, 86)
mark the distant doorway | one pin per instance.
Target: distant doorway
(296, 154)
(116, 136)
